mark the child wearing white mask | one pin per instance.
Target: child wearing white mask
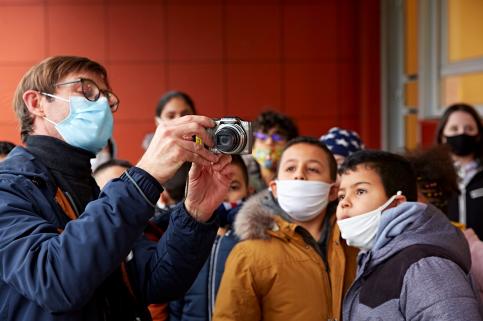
(291, 263)
(413, 265)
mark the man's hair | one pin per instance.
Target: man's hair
(6, 147)
(237, 160)
(470, 110)
(111, 163)
(317, 143)
(271, 119)
(395, 171)
(163, 101)
(43, 77)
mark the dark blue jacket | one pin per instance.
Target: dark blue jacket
(76, 275)
(199, 301)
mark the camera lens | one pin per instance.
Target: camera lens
(227, 139)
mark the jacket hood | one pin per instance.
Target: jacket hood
(257, 215)
(413, 223)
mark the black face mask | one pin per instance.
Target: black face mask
(462, 145)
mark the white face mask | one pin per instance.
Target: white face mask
(360, 231)
(302, 200)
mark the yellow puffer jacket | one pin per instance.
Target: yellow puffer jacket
(274, 274)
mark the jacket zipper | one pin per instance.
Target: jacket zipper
(71, 200)
(211, 276)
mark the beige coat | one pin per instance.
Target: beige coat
(274, 274)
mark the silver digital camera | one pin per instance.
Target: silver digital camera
(231, 135)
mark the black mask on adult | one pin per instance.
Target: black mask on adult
(462, 145)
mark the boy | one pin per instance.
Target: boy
(280, 268)
(413, 265)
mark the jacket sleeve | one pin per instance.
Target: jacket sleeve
(165, 270)
(438, 289)
(237, 298)
(60, 272)
(476, 249)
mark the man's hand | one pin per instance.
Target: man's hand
(172, 145)
(207, 187)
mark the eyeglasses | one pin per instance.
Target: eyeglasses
(92, 92)
(275, 137)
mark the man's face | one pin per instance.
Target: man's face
(57, 110)
(304, 162)
(238, 187)
(360, 191)
(175, 108)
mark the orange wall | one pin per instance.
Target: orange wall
(317, 61)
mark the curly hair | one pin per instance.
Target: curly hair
(436, 176)
(270, 119)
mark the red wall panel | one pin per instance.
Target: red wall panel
(310, 32)
(138, 87)
(203, 82)
(136, 33)
(22, 30)
(195, 32)
(253, 32)
(428, 131)
(315, 60)
(68, 32)
(311, 89)
(251, 87)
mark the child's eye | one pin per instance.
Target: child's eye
(234, 187)
(290, 169)
(314, 170)
(340, 197)
(360, 191)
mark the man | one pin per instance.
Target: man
(70, 253)
(414, 265)
(290, 263)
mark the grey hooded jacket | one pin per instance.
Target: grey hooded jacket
(416, 270)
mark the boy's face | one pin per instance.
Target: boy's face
(238, 187)
(360, 191)
(305, 162)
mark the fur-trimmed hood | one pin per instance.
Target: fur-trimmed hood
(257, 215)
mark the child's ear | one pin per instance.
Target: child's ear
(273, 188)
(251, 190)
(400, 199)
(334, 189)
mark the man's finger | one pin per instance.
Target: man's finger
(187, 131)
(192, 147)
(222, 162)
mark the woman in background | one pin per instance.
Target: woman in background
(461, 129)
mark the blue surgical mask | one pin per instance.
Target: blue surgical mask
(88, 125)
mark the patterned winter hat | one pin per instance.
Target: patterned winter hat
(342, 141)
